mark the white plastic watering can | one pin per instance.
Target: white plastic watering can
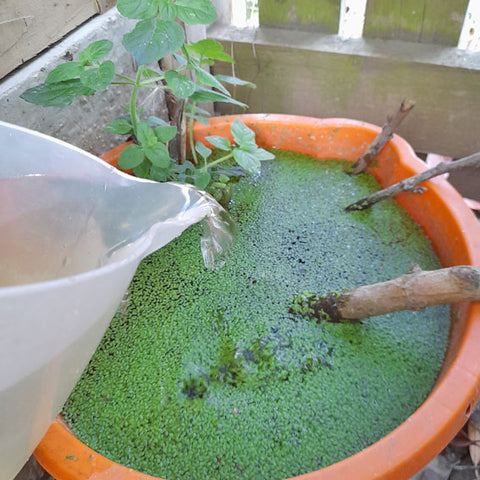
(73, 230)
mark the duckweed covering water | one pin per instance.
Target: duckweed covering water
(205, 374)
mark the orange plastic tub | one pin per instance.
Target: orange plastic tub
(455, 234)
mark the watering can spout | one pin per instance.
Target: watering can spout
(72, 232)
(155, 213)
(62, 216)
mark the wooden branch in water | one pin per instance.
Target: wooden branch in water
(382, 138)
(411, 184)
(413, 291)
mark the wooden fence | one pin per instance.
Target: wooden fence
(29, 26)
(324, 58)
(359, 59)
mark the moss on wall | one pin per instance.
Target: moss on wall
(426, 21)
(313, 15)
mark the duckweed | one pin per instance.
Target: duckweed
(207, 375)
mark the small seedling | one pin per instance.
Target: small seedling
(158, 34)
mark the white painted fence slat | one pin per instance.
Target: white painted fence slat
(352, 19)
(470, 34)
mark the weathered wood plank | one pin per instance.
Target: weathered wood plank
(29, 26)
(425, 21)
(309, 15)
(321, 76)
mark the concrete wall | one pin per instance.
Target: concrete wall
(80, 123)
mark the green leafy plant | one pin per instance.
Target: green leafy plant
(157, 34)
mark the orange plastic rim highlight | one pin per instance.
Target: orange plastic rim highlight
(455, 234)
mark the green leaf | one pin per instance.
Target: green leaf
(142, 170)
(235, 81)
(167, 10)
(180, 59)
(138, 9)
(201, 179)
(145, 135)
(95, 52)
(204, 95)
(149, 73)
(185, 168)
(152, 120)
(182, 87)
(191, 107)
(64, 71)
(207, 61)
(206, 78)
(120, 126)
(98, 78)
(219, 142)
(153, 39)
(158, 155)
(243, 136)
(210, 49)
(204, 151)
(159, 174)
(263, 154)
(165, 133)
(199, 118)
(193, 12)
(131, 157)
(247, 160)
(59, 94)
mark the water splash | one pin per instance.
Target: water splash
(217, 238)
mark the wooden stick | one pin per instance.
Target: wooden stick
(382, 138)
(411, 184)
(413, 291)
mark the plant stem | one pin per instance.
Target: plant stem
(220, 160)
(133, 100)
(190, 133)
(128, 79)
(153, 80)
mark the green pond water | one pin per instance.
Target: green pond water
(206, 375)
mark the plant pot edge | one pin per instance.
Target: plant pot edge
(397, 455)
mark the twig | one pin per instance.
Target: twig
(382, 138)
(413, 291)
(411, 184)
